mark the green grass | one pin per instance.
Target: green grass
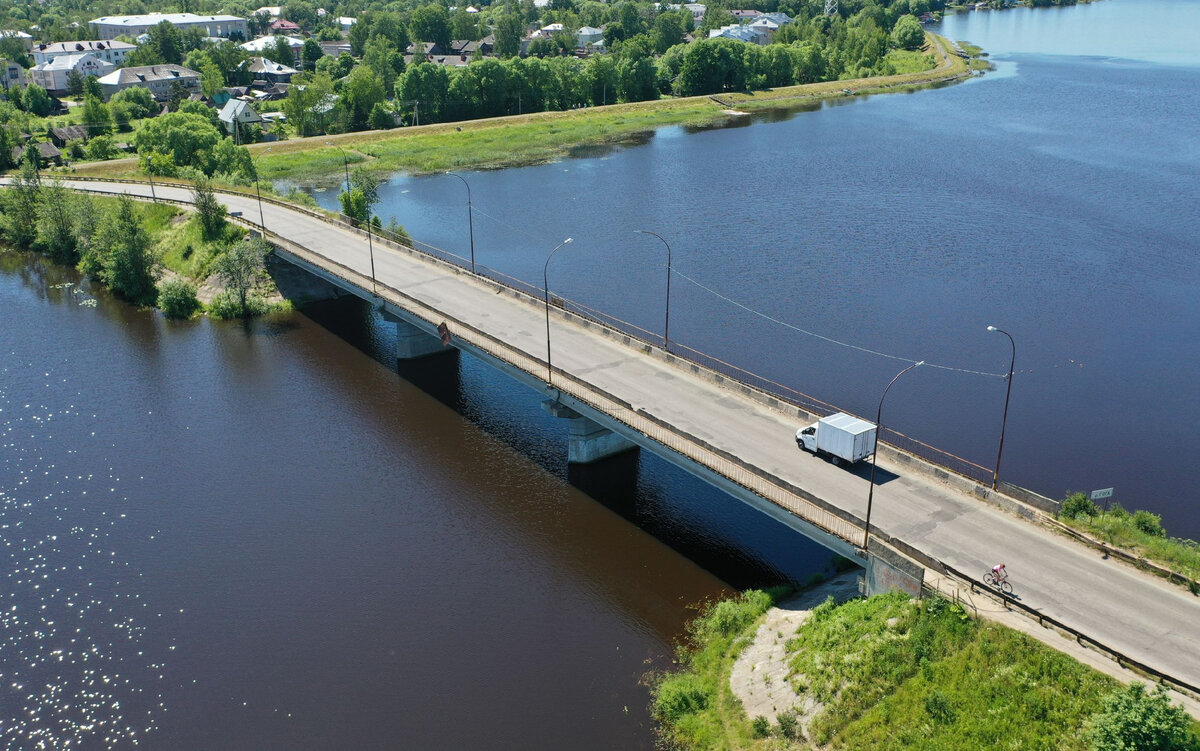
(1138, 532)
(910, 61)
(894, 673)
(891, 673)
(695, 707)
(184, 250)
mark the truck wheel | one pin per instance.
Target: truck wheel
(836, 461)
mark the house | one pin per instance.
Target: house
(110, 52)
(269, 43)
(157, 78)
(745, 14)
(226, 27)
(47, 153)
(60, 136)
(425, 50)
(333, 49)
(26, 39)
(588, 35)
(268, 71)
(52, 76)
(237, 112)
(771, 22)
(273, 11)
(748, 34)
(485, 46)
(548, 31)
(283, 26)
(345, 22)
(11, 74)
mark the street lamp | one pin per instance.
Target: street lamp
(546, 287)
(667, 322)
(875, 453)
(370, 244)
(262, 223)
(1004, 421)
(470, 217)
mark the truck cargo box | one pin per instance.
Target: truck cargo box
(846, 436)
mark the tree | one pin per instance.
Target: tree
(907, 34)
(20, 202)
(431, 23)
(36, 100)
(306, 94)
(211, 79)
(100, 148)
(96, 117)
(428, 85)
(74, 83)
(128, 266)
(242, 268)
(231, 159)
(301, 13)
(138, 98)
(209, 210)
(55, 228)
(380, 118)
(310, 54)
(186, 138)
(509, 29)
(91, 87)
(712, 65)
(282, 51)
(177, 298)
(361, 91)
(1132, 720)
(383, 58)
(362, 195)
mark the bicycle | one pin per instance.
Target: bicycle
(1001, 584)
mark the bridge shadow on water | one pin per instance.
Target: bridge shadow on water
(734, 542)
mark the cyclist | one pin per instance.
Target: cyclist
(1000, 574)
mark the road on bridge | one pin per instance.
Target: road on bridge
(1139, 615)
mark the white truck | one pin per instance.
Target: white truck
(839, 438)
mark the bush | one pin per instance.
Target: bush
(1077, 505)
(679, 695)
(1149, 523)
(227, 305)
(177, 298)
(761, 727)
(1133, 720)
(789, 724)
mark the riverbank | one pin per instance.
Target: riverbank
(544, 136)
(825, 669)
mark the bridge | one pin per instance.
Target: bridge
(930, 527)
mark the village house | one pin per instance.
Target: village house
(11, 74)
(110, 52)
(225, 27)
(52, 76)
(66, 133)
(269, 44)
(26, 39)
(588, 35)
(157, 78)
(268, 71)
(237, 112)
(283, 26)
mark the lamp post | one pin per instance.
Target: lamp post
(875, 453)
(546, 287)
(370, 244)
(1008, 393)
(470, 217)
(667, 322)
(262, 222)
(150, 177)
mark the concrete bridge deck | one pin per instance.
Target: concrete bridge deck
(717, 431)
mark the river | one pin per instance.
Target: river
(258, 536)
(1053, 198)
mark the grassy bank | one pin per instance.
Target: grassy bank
(1138, 532)
(546, 136)
(886, 672)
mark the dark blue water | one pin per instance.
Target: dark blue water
(1054, 198)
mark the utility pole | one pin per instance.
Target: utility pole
(831, 7)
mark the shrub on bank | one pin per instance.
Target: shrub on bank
(177, 298)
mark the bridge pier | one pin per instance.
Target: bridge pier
(888, 571)
(411, 341)
(588, 441)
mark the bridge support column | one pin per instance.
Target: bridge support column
(411, 341)
(588, 440)
(888, 571)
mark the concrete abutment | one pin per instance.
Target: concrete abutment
(588, 441)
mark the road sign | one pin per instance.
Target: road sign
(1105, 493)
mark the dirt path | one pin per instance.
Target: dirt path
(759, 676)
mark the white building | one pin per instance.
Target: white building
(11, 74)
(237, 111)
(52, 76)
(345, 22)
(225, 27)
(274, 11)
(157, 78)
(26, 39)
(109, 52)
(589, 35)
(268, 44)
